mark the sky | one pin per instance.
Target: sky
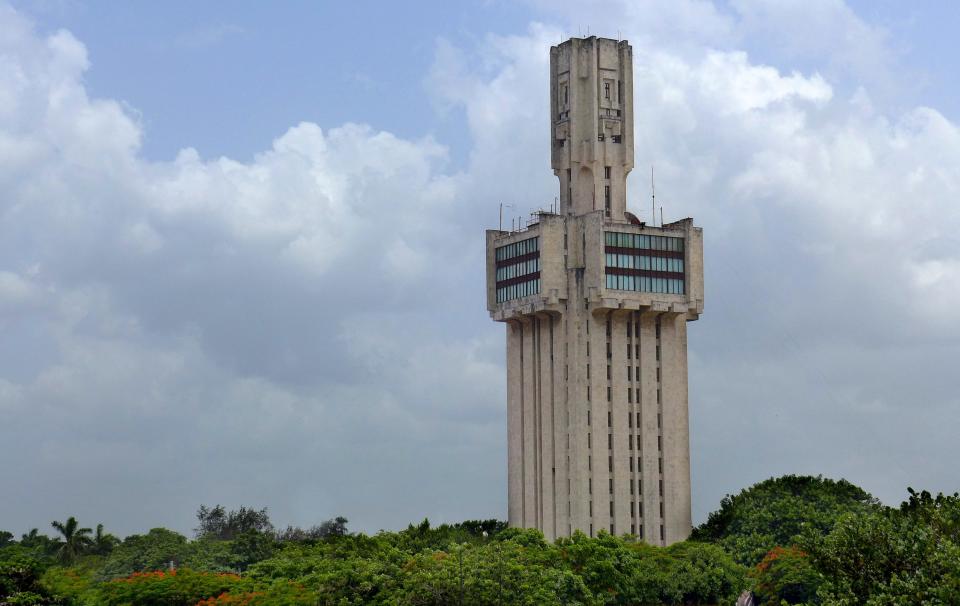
(241, 247)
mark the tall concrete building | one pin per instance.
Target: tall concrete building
(596, 305)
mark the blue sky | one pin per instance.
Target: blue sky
(332, 62)
(241, 246)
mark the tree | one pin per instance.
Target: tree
(218, 523)
(39, 543)
(337, 527)
(786, 576)
(75, 539)
(160, 549)
(909, 555)
(20, 583)
(777, 511)
(6, 538)
(103, 542)
(251, 547)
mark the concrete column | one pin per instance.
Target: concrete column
(650, 474)
(619, 413)
(515, 463)
(676, 430)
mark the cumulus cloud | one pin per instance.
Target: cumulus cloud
(830, 288)
(306, 330)
(207, 329)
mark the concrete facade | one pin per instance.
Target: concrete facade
(595, 305)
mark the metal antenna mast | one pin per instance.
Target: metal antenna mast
(653, 199)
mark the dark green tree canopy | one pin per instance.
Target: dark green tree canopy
(75, 540)
(777, 511)
(218, 523)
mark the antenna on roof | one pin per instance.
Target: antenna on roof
(653, 199)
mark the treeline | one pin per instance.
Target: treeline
(789, 540)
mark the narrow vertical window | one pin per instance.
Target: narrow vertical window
(606, 172)
(606, 90)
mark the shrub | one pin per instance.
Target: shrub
(182, 587)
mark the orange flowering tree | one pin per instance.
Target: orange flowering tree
(183, 587)
(282, 593)
(786, 575)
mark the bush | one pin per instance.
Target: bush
(786, 575)
(20, 582)
(776, 512)
(279, 594)
(182, 587)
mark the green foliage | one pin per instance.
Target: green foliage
(786, 576)
(160, 548)
(218, 523)
(808, 541)
(73, 585)
(39, 544)
(513, 567)
(777, 511)
(905, 556)
(75, 540)
(20, 582)
(281, 593)
(182, 587)
(337, 527)
(103, 542)
(625, 572)
(250, 547)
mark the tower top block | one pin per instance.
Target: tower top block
(591, 119)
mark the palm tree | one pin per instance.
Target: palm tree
(103, 542)
(75, 539)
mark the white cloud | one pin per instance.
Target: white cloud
(830, 260)
(306, 330)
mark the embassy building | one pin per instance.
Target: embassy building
(596, 304)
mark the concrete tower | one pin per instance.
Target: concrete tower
(595, 304)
